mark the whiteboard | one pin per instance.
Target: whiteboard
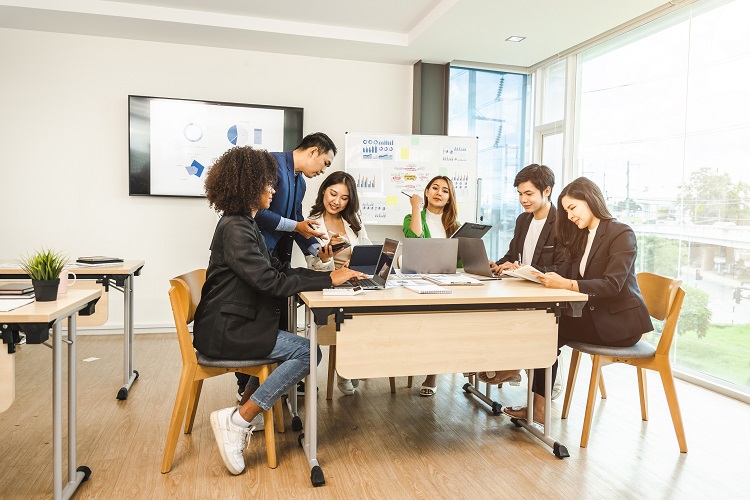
(384, 165)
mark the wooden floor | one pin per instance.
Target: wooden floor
(373, 444)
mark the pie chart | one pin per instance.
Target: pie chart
(238, 135)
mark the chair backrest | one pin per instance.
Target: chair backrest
(184, 296)
(663, 297)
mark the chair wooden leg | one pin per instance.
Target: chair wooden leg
(331, 371)
(643, 392)
(674, 405)
(593, 384)
(178, 414)
(268, 423)
(278, 415)
(195, 395)
(575, 359)
(602, 388)
(409, 381)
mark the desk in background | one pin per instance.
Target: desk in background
(36, 319)
(116, 275)
(505, 324)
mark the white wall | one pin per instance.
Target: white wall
(64, 142)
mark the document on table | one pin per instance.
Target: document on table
(452, 279)
(524, 272)
(8, 304)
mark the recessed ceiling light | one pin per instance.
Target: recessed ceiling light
(515, 38)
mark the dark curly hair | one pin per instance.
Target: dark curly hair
(239, 177)
(352, 207)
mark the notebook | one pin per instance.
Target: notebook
(365, 258)
(16, 288)
(525, 272)
(471, 230)
(382, 269)
(429, 256)
(98, 259)
(474, 257)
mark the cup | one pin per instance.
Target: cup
(65, 281)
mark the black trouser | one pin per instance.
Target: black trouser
(580, 330)
(283, 252)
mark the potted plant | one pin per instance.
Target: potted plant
(44, 268)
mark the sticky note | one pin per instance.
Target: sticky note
(404, 153)
(391, 200)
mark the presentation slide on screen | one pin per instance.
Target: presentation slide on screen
(188, 137)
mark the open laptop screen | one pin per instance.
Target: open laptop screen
(385, 262)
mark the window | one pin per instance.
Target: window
(493, 107)
(663, 126)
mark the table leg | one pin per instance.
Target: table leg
(75, 475)
(57, 410)
(310, 436)
(291, 400)
(129, 375)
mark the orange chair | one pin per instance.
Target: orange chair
(663, 297)
(184, 295)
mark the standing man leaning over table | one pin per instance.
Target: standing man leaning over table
(283, 223)
(534, 239)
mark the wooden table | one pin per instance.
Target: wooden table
(503, 324)
(37, 318)
(117, 275)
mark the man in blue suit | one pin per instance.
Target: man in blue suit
(283, 223)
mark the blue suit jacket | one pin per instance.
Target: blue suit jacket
(284, 204)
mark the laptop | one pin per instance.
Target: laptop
(471, 230)
(364, 258)
(429, 256)
(382, 269)
(474, 257)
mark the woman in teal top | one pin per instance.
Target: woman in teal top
(436, 220)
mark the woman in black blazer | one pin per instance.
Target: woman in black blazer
(599, 261)
(238, 314)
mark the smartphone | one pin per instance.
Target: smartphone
(338, 246)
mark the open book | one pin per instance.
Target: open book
(524, 272)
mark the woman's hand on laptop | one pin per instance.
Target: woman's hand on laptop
(505, 266)
(344, 274)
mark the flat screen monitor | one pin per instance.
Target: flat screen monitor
(173, 142)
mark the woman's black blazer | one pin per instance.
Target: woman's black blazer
(615, 301)
(238, 315)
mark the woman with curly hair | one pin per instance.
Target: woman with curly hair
(438, 219)
(238, 314)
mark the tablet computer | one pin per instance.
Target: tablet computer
(471, 230)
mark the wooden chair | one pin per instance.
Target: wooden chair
(663, 297)
(184, 295)
(327, 336)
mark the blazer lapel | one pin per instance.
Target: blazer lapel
(548, 225)
(600, 232)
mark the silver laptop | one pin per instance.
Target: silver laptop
(472, 253)
(382, 269)
(429, 256)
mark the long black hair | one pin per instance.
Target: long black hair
(574, 239)
(349, 213)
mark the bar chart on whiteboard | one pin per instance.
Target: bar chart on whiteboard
(384, 165)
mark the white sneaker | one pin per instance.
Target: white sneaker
(231, 439)
(559, 385)
(257, 423)
(345, 386)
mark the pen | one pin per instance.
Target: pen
(406, 194)
(519, 258)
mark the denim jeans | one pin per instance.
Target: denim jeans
(293, 354)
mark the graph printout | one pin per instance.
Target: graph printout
(385, 166)
(187, 138)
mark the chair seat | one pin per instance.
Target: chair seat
(640, 350)
(231, 363)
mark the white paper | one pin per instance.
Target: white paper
(524, 272)
(10, 304)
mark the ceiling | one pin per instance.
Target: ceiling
(390, 31)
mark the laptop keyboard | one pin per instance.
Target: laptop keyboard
(364, 283)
